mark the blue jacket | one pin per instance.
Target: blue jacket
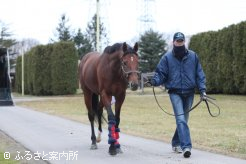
(180, 76)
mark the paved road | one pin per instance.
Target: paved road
(50, 135)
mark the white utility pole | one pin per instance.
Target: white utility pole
(22, 74)
(98, 28)
(8, 65)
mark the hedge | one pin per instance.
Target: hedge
(49, 70)
(223, 56)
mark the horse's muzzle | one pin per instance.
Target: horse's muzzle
(133, 86)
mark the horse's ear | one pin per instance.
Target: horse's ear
(124, 47)
(136, 47)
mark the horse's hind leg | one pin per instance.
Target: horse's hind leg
(100, 112)
(93, 136)
(91, 116)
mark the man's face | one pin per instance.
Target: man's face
(179, 42)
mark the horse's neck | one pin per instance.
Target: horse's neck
(115, 65)
(112, 72)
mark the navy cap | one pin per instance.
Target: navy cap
(178, 36)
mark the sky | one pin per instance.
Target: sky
(38, 19)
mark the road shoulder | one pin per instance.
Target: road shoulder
(16, 150)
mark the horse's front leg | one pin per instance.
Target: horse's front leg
(111, 124)
(111, 131)
(118, 105)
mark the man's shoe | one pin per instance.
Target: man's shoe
(177, 149)
(187, 152)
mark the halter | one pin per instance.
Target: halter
(126, 72)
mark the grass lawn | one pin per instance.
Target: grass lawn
(6, 161)
(141, 116)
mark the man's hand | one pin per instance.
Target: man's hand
(150, 83)
(203, 96)
(153, 83)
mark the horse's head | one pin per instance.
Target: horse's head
(129, 65)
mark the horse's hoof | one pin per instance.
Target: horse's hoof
(93, 146)
(112, 150)
(119, 151)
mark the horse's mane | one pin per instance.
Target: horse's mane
(116, 47)
(111, 49)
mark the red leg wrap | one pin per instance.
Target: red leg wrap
(117, 135)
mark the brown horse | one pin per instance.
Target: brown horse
(103, 76)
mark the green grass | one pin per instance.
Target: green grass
(7, 145)
(141, 116)
(6, 161)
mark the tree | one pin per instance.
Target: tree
(91, 33)
(82, 44)
(63, 30)
(5, 36)
(151, 47)
(24, 45)
(19, 48)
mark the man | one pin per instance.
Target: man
(181, 72)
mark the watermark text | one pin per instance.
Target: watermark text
(46, 156)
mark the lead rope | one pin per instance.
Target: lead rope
(199, 102)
